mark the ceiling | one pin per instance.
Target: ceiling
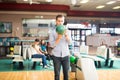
(89, 6)
(76, 5)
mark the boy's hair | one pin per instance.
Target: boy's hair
(37, 40)
(44, 41)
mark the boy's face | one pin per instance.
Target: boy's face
(60, 21)
(43, 42)
(37, 43)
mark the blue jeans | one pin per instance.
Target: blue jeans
(58, 62)
(40, 56)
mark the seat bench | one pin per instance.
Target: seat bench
(20, 60)
(112, 61)
(96, 59)
(36, 59)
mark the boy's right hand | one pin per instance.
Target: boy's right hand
(60, 36)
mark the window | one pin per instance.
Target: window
(117, 30)
(36, 27)
(5, 27)
(107, 30)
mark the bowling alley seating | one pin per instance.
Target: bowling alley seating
(17, 57)
(84, 51)
(30, 51)
(103, 54)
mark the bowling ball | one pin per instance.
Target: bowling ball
(60, 29)
(72, 59)
(11, 48)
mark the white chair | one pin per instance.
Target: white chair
(86, 69)
(110, 58)
(30, 52)
(17, 55)
(84, 49)
(107, 54)
(101, 51)
(25, 52)
(16, 51)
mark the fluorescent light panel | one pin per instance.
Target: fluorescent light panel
(84, 1)
(49, 0)
(73, 2)
(111, 2)
(117, 7)
(101, 6)
(25, 0)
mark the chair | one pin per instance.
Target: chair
(16, 52)
(25, 47)
(17, 55)
(102, 51)
(84, 49)
(106, 53)
(111, 58)
(30, 51)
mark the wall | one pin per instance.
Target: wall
(99, 39)
(16, 18)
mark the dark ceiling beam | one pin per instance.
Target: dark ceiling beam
(56, 8)
(33, 7)
(8, 1)
(93, 14)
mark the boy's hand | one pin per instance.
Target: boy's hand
(59, 36)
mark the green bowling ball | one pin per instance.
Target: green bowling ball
(60, 29)
(72, 59)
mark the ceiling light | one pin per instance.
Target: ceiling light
(49, 0)
(84, 1)
(25, 0)
(111, 2)
(117, 7)
(73, 2)
(39, 17)
(101, 6)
